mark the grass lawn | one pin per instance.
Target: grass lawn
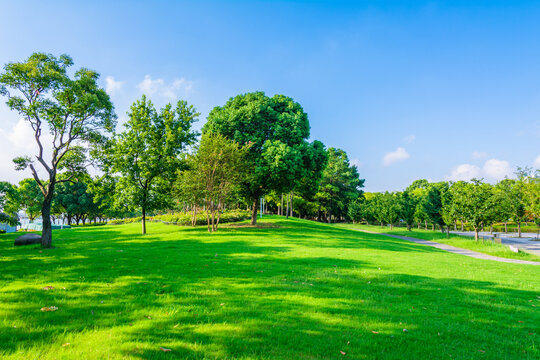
(464, 242)
(287, 290)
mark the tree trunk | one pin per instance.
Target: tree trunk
(292, 198)
(46, 231)
(287, 211)
(519, 228)
(432, 227)
(281, 207)
(505, 226)
(455, 225)
(491, 229)
(461, 225)
(254, 212)
(447, 231)
(408, 227)
(425, 224)
(143, 221)
(476, 233)
(391, 226)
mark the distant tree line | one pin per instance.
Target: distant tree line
(454, 205)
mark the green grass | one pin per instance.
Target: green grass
(288, 290)
(464, 242)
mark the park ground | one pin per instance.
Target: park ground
(286, 289)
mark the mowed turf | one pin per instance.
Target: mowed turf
(290, 289)
(485, 246)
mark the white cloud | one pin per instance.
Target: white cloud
(493, 169)
(19, 141)
(464, 172)
(399, 155)
(22, 135)
(409, 139)
(479, 155)
(158, 86)
(356, 162)
(112, 86)
(497, 169)
(537, 162)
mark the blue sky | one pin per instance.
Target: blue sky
(436, 90)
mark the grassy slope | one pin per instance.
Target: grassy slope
(464, 242)
(300, 291)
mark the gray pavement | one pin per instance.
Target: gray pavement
(526, 243)
(456, 250)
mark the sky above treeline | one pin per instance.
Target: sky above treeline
(410, 90)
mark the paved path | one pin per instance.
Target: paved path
(527, 243)
(455, 250)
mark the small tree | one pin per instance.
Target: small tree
(147, 153)
(74, 110)
(30, 198)
(474, 203)
(9, 203)
(408, 208)
(215, 172)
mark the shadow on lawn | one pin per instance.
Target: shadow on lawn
(251, 301)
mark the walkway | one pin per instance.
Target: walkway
(526, 243)
(455, 250)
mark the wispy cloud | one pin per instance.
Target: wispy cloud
(479, 155)
(179, 87)
(392, 157)
(112, 86)
(409, 139)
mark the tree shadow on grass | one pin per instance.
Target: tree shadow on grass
(221, 296)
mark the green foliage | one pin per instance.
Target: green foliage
(276, 130)
(340, 184)
(474, 203)
(185, 219)
(147, 154)
(213, 176)
(30, 197)
(74, 110)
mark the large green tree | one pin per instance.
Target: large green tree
(340, 184)
(148, 153)
(276, 129)
(73, 109)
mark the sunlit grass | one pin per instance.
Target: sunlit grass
(464, 242)
(298, 290)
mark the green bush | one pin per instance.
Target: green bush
(185, 218)
(124, 221)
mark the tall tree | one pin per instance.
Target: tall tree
(147, 153)
(277, 130)
(340, 184)
(74, 110)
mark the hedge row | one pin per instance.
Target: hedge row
(185, 218)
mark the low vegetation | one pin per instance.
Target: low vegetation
(464, 242)
(292, 290)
